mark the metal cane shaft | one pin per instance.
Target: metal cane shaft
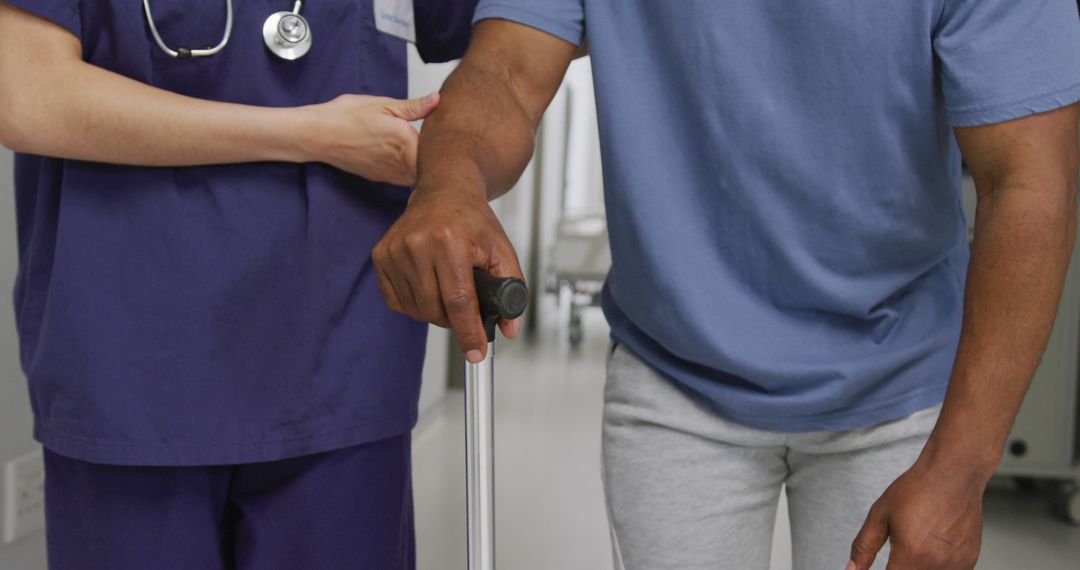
(498, 298)
(480, 460)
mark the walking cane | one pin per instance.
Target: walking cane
(499, 299)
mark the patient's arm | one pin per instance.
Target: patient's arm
(1026, 175)
(472, 149)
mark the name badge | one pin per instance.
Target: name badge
(396, 18)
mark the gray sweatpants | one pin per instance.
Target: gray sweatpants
(688, 490)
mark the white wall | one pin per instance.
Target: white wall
(15, 417)
(14, 409)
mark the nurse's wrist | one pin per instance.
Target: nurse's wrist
(270, 134)
(298, 135)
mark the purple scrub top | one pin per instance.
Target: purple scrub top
(224, 314)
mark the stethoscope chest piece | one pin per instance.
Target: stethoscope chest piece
(288, 34)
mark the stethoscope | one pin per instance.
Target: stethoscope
(287, 34)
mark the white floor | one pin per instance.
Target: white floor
(550, 507)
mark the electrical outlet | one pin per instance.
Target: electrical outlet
(24, 496)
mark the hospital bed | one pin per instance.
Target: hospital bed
(579, 262)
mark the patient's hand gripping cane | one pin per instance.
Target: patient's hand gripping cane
(499, 299)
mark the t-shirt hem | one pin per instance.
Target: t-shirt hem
(1016, 108)
(879, 413)
(876, 413)
(779, 418)
(191, 455)
(62, 14)
(490, 11)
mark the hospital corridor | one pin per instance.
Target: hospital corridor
(711, 355)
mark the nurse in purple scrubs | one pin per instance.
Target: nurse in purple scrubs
(214, 376)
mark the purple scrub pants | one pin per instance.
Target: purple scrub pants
(346, 509)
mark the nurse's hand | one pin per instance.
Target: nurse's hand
(368, 136)
(425, 263)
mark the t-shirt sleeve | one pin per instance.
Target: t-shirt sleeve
(561, 18)
(1007, 59)
(65, 13)
(443, 28)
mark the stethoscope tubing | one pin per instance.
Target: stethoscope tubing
(183, 52)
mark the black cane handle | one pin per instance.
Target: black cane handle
(500, 298)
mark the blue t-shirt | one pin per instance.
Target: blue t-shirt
(224, 314)
(783, 185)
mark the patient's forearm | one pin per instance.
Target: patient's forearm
(481, 138)
(1025, 235)
(478, 141)
(1026, 175)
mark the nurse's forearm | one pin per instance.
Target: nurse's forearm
(54, 104)
(94, 115)
(1025, 233)
(481, 137)
(75, 110)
